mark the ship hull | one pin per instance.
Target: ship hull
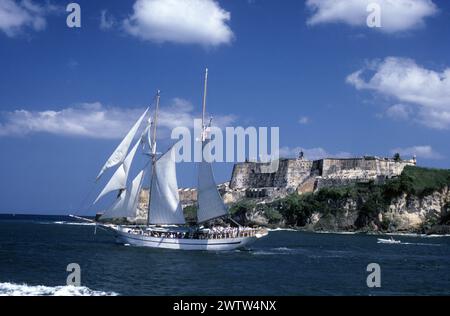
(224, 244)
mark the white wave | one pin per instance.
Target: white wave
(336, 233)
(283, 229)
(73, 223)
(264, 253)
(283, 249)
(420, 244)
(66, 223)
(436, 236)
(417, 235)
(275, 251)
(11, 289)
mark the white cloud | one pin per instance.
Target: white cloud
(311, 153)
(87, 120)
(15, 16)
(303, 120)
(396, 15)
(403, 80)
(93, 120)
(187, 22)
(399, 112)
(426, 152)
(107, 21)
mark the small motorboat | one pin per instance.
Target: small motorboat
(388, 241)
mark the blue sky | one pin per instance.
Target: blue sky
(333, 85)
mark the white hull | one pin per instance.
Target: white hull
(224, 244)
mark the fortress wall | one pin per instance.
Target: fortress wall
(331, 166)
(241, 175)
(293, 173)
(298, 171)
(379, 166)
(394, 168)
(280, 177)
(341, 172)
(187, 196)
(250, 175)
(345, 181)
(290, 173)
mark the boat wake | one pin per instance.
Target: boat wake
(74, 223)
(420, 244)
(11, 289)
(67, 223)
(282, 229)
(398, 242)
(275, 251)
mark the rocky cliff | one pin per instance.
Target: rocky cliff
(418, 201)
(428, 214)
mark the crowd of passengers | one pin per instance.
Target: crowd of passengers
(215, 232)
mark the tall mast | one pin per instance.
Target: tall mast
(153, 154)
(210, 202)
(204, 106)
(155, 123)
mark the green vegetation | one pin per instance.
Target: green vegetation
(190, 213)
(418, 181)
(242, 207)
(272, 215)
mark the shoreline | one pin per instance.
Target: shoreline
(370, 233)
(271, 228)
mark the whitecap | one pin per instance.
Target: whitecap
(12, 289)
(283, 229)
(75, 223)
(276, 251)
(335, 232)
(420, 244)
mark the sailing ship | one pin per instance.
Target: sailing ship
(166, 225)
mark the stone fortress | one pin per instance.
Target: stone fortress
(250, 179)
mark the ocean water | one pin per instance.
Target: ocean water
(35, 251)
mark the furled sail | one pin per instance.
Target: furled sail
(118, 156)
(127, 203)
(210, 203)
(165, 207)
(119, 180)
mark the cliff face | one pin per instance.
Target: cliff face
(405, 213)
(419, 213)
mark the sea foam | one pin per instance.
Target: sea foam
(11, 289)
(74, 223)
(283, 229)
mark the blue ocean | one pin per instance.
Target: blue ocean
(35, 252)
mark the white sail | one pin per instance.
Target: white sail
(127, 203)
(119, 180)
(118, 156)
(165, 207)
(210, 203)
(146, 139)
